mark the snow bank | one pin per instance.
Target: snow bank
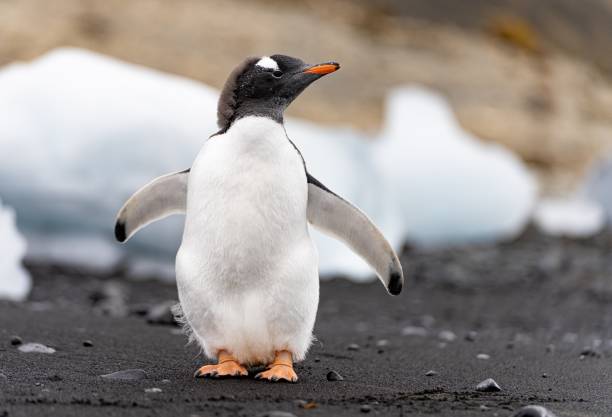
(446, 185)
(575, 217)
(89, 130)
(15, 282)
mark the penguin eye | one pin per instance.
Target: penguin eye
(277, 74)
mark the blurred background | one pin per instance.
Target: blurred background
(426, 88)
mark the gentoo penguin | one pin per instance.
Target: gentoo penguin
(247, 268)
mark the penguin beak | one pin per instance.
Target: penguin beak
(322, 69)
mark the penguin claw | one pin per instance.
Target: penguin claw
(278, 373)
(225, 369)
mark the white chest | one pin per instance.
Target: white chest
(247, 192)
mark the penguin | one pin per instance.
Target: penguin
(247, 267)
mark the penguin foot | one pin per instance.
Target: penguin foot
(227, 367)
(279, 370)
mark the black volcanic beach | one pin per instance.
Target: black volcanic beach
(534, 315)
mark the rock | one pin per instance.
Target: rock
(87, 343)
(533, 411)
(162, 313)
(334, 376)
(153, 390)
(309, 405)
(365, 408)
(16, 340)
(483, 356)
(55, 378)
(570, 338)
(353, 346)
(127, 375)
(427, 321)
(550, 348)
(110, 300)
(35, 348)
(590, 352)
(431, 373)
(382, 343)
(471, 336)
(447, 336)
(3, 378)
(488, 385)
(276, 414)
(414, 331)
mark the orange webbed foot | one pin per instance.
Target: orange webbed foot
(279, 370)
(227, 367)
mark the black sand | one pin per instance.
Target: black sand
(536, 304)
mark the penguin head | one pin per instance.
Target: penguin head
(265, 86)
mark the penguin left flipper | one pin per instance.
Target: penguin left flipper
(334, 215)
(161, 197)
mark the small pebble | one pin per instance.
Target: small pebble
(334, 376)
(431, 373)
(353, 346)
(382, 343)
(590, 352)
(447, 336)
(550, 348)
(488, 385)
(276, 414)
(533, 411)
(127, 375)
(153, 390)
(471, 336)
(16, 340)
(545, 375)
(165, 381)
(414, 331)
(88, 343)
(570, 338)
(427, 320)
(483, 356)
(35, 348)
(55, 378)
(309, 405)
(365, 408)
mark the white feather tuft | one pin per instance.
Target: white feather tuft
(267, 62)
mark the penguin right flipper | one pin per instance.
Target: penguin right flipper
(332, 214)
(161, 197)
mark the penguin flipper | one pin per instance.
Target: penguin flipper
(332, 214)
(161, 197)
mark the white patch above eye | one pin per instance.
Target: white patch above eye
(267, 62)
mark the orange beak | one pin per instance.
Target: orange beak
(323, 69)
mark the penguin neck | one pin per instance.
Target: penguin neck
(271, 109)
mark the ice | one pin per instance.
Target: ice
(573, 217)
(598, 186)
(447, 186)
(15, 281)
(80, 132)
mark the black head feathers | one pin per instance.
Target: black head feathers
(265, 86)
(226, 107)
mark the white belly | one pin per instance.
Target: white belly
(247, 267)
